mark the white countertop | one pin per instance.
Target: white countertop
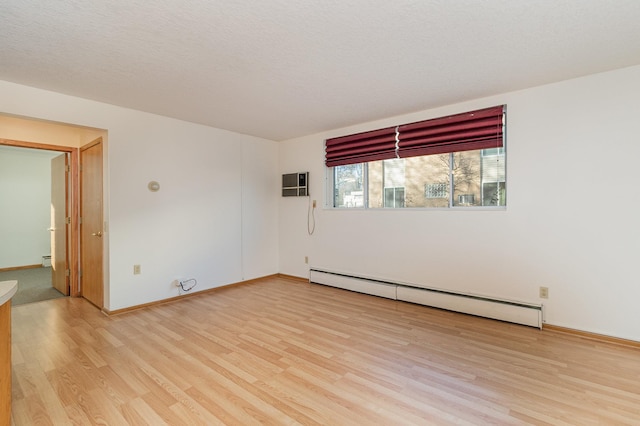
(7, 290)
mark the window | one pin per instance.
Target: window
(460, 179)
(393, 183)
(494, 194)
(394, 197)
(348, 185)
(456, 161)
(492, 151)
(436, 190)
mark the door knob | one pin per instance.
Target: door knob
(97, 234)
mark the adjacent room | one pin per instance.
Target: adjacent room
(320, 213)
(27, 230)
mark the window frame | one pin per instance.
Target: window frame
(330, 187)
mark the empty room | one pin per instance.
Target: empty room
(321, 213)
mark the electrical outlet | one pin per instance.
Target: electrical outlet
(306, 259)
(136, 269)
(544, 292)
(314, 204)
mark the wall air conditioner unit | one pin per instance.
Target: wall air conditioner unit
(466, 199)
(295, 184)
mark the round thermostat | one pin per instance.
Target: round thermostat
(153, 186)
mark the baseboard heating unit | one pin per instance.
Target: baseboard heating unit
(505, 310)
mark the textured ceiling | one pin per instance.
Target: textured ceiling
(282, 68)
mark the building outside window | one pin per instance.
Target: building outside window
(458, 179)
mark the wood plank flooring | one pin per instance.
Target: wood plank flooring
(282, 351)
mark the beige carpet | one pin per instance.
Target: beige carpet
(34, 285)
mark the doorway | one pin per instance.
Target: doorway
(34, 192)
(70, 140)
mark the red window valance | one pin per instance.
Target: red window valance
(481, 129)
(361, 147)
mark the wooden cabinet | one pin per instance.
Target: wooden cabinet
(7, 290)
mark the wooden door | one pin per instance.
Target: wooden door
(91, 224)
(59, 226)
(5, 363)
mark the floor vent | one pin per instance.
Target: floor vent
(505, 310)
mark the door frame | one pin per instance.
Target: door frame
(73, 193)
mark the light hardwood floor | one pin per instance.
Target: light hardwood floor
(282, 351)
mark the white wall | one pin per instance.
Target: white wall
(260, 182)
(571, 223)
(200, 224)
(25, 203)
